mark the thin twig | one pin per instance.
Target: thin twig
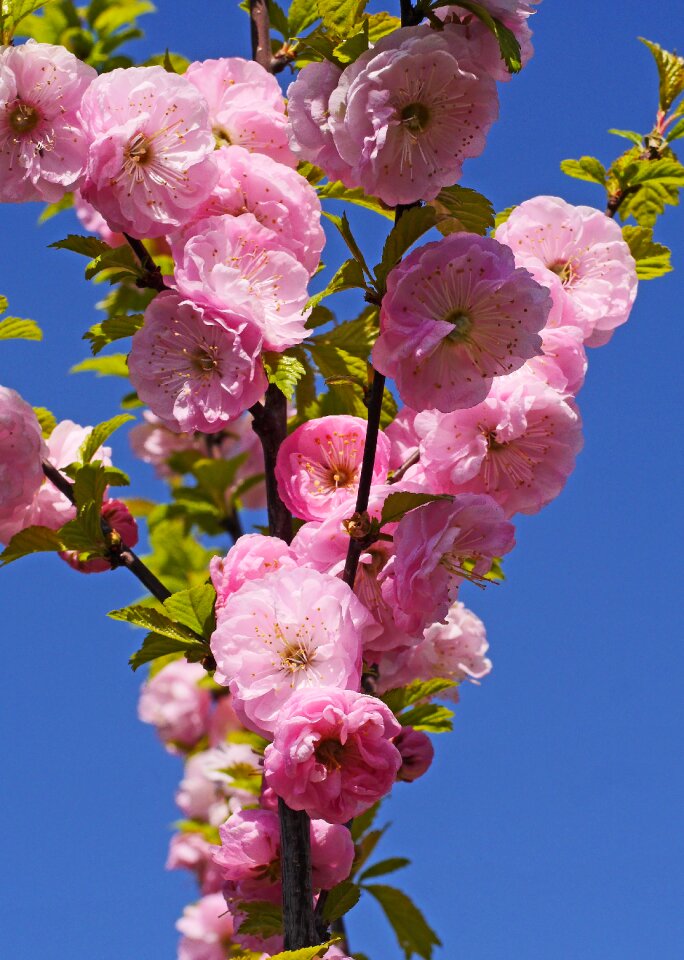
(405, 467)
(152, 277)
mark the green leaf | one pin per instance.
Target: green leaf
(344, 227)
(406, 231)
(401, 697)
(121, 259)
(676, 132)
(503, 216)
(337, 191)
(432, 717)
(111, 329)
(381, 24)
(586, 168)
(670, 73)
(51, 210)
(349, 276)
(152, 619)
(351, 49)
(364, 822)
(665, 171)
(100, 433)
(400, 503)
(341, 16)
(264, 919)
(157, 645)
(214, 477)
(112, 365)
(383, 867)
(90, 247)
(302, 14)
(194, 608)
(34, 539)
(366, 845)
(46, 419)
(244, 776)
(355, 336)
(284, 370)
(3, 303)
(278, 19)
(209, 832)
(341, 899)
(632, 135)
(15, 328)
(306, 953)
(389, 410)
(466, 210)
(409, 925)
(652, 259)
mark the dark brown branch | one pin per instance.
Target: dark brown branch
(121, 555)
(405, 467)
(295, 856)
(261, 33)
(152, 276)
(270, 425)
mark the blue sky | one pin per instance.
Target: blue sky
(549, 827)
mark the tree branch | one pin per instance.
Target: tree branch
(121, 554)
(261, 33)
(152, 277)
(270, 425)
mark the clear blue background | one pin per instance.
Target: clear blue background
(550, 827)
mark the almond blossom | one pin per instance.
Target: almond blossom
(43, 146)
(151, 150)
(457, 314)
(173, 702)
(252, 557)
(191, 851)
(116, 514)
(207, 927)
(22, 450)
(416, 752)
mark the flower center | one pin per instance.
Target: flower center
(138, 151)
(492, 442)
(24, 118)
(205, 360)
(330, 753)
(565, 270)
(221, 136)
(462, 326)
(296, 656)
(415, 117)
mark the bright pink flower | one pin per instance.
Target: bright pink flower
(457, 314)
(191, 369)
(43, 147)
(190, 851)
(22, 450)
(252, 557)
(319, 464)
(234, 266)
(332, 854)
(122, 521)
(150, 162)
(580, 253)
(246, 106)
(295, 628)
(280, 199)
(563, 361)
(207, 927)
(310, 134)
(208, 790)
(416, 752)
(172, 701)
(407, 114)
(94, 222)
(518, 446)
(332, 754)
(436, 547)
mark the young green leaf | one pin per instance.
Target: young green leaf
(363, 822)
(112, 365)
(464, 210)
(157, 645)
(112, 329)
(432, 717)
(152, 619)
(46, 419)
(586, 168)
(670, 73)
(341, 899)
(306, 953)
(503, 215)
(264, 919)
(90, 247)
(344, 227)
(34, 539)
(383, 867)
(120, 259)
(284, 370)
(401, 697)
(99, 434)
(652, 259)
(337, 191)
(194, 608)
(632, 135)
(412, 931)
(398, 504)
(302, 14)
(508, 43)
(348, 276)
(51, 210)
(341, 16)
(410, 228)
(16, 328)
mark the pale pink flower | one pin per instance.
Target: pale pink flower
(173, 702)
(518, 446)
(208, 790)
(43, 147)
(246, 106)
(150, 161)
(122, 521)
(252, 557)
(223, 721)
(436, 546)
(310, 134)
(295, 628)
(236, 267)
(194, 371)
(280, 199)
(407, 114)
(319, 465)
(403, 439)
(249, 856)
(416, 752)
(477, 41)
(580, 253)
(332, 754)
(154, 442)
(22, 451)
(190, 851)
(457, 314)
(207, 927)
(94, 222)
(563, 361)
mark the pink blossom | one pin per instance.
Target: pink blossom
(416, 752)
(252, 557)
(436, 547)
(407, 114)
(249, 856)
(150, 161)
(580, 254)
(172, 701)
(190, 851)
(208, 791)
(207, 927)
(121, 520)
(246, 106)
(310, 135)
(155, 442)
(191, 369)
(295, 628)
(94, 222)
(280, 199)
(479, 43)
(456, 315)
(563, 361)
(234, 266)
(402, 437)
(319, 464)
(223, 721)
(43, 147)
(518, 446)
(332, 753)
(22, 450)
